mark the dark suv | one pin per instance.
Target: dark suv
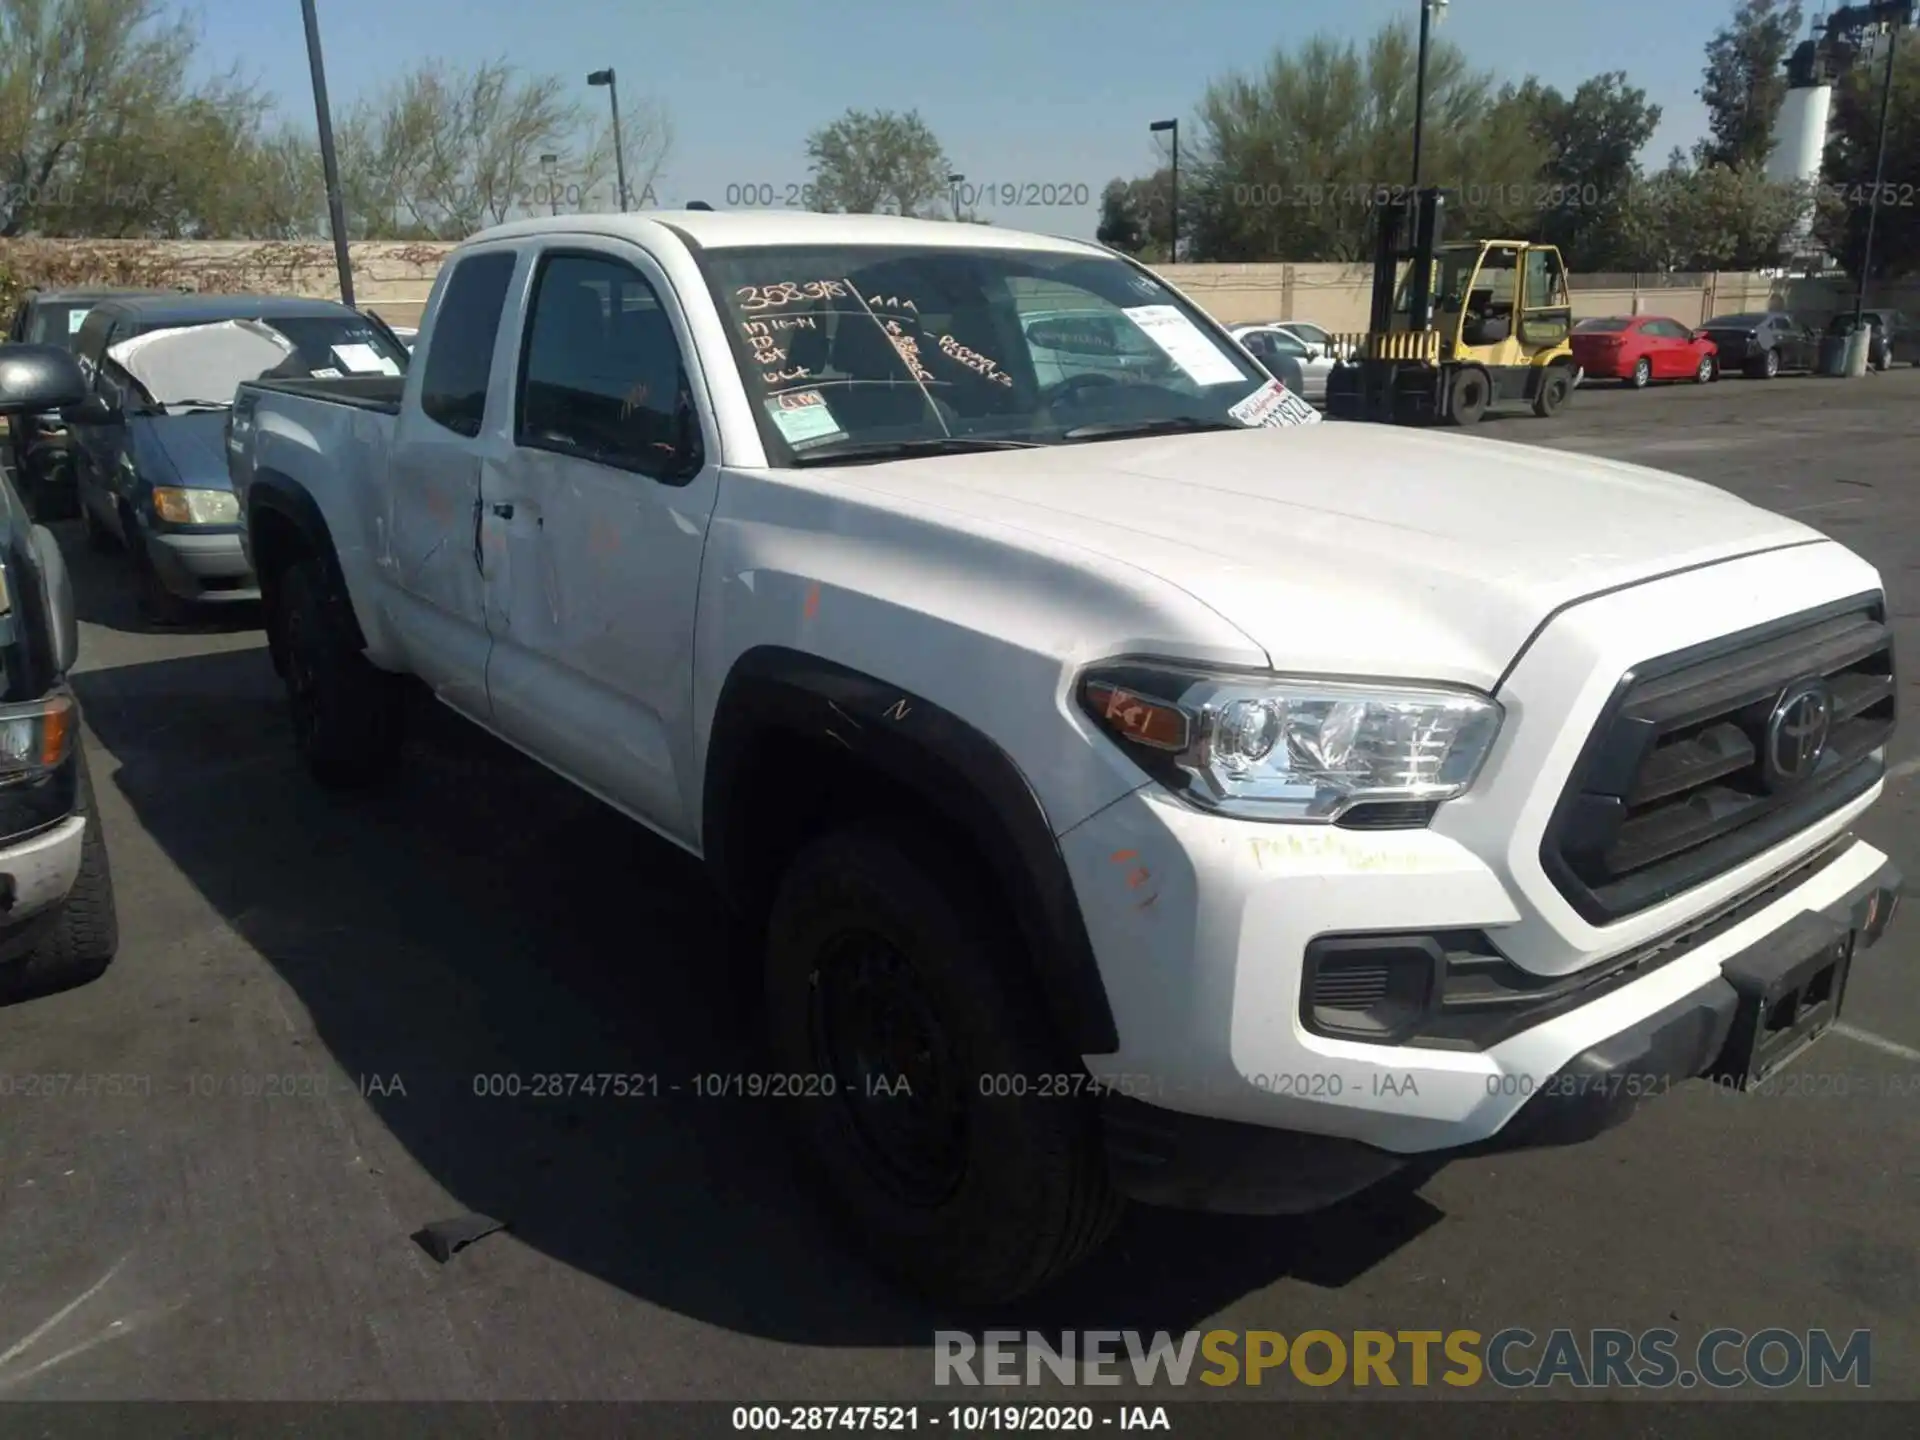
(58, 926)
(43, 468)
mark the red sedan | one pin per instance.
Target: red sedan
(1640, 349)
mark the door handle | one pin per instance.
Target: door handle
(504, 509)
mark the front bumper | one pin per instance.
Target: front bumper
(212, 568)
(35, 877)
(1164, 1157)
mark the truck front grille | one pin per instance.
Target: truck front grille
(1707, 757)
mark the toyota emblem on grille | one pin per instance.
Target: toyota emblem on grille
(1797, 733)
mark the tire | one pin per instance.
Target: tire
(1704, 372)
(1767, 367)
(1555, 386)
(1010, 1191)
(345, 711)
(1642, 373)
(86, 934)
(1467, 396)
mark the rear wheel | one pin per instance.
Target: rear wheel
(1642, 373)
(86, 935)
(919, 1049)
(346, 711)
(1555, 386)
(1467, 397)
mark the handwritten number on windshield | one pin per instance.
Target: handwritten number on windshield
(787, 292)
(974, 361)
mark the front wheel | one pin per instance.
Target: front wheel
(937, 1114)
(1468, 396)
(86, 934)
(346, 712)
(1555, 386)
(1703, 373)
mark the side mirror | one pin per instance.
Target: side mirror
(39, 378)
(93, 410)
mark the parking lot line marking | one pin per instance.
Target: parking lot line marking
(22, 1346)
(1878, 1042)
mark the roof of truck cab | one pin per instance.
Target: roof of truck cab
(187, 309)
(733, 229)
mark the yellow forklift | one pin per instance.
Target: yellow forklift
(1455, 329)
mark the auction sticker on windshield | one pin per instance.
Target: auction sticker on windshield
(364, 360)
(1185, 344)
(1274, 405)
(802, 418)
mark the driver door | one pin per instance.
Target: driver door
(593, 527)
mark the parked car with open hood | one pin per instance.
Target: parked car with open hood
(150, 441)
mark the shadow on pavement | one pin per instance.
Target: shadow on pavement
(479, 917)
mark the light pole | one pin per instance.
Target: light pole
(605, 77)
(1879, 159)
(550, 166)
(329, 162)
(1173, 243)
(1431, 13)
(954, 182)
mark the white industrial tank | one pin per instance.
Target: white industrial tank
(1800, 136)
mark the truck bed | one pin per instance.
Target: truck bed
(364, 392)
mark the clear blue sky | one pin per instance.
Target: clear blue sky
(1020, 91)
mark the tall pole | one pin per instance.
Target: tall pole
(329, 162)
(550, 166)
(1879, 170)
(954, 182)
(1420, 88)
(606, 77)
(1173, 243)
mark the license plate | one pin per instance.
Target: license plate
(1784, 1012)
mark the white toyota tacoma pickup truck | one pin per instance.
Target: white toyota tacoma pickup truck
(1133, 787)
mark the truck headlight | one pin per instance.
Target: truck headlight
(35, 737)
(1281, 748)
(195, 507)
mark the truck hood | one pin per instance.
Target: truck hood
(1356, 549)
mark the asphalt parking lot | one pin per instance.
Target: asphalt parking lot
(307, 989)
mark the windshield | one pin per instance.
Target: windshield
(1591, 326)
(847, 347)
(199, 365)
(1452, 270)
(58, 322)
(324, 346)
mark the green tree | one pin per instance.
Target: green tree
(1289, 160)
(103, 130)
(1134, 215)
(1592, 140)
(879, 163)
(1713, 217)
(1746, 81)
(1847, 172)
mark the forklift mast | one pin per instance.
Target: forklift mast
(1406, 229)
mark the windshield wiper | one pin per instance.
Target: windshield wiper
(1171, 425)
(199, 404)
(906, 449)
